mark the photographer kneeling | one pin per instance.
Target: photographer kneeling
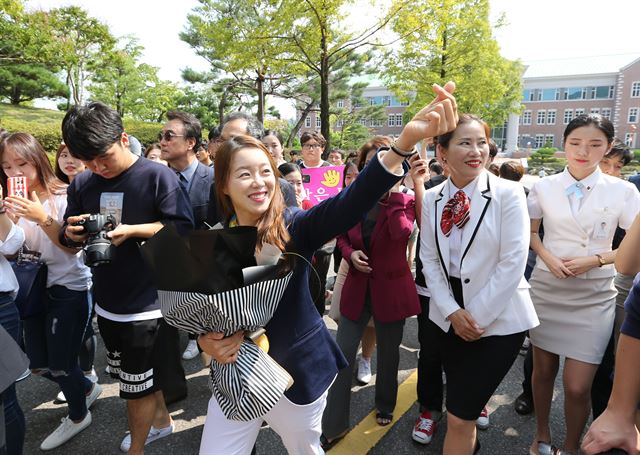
(142, 196)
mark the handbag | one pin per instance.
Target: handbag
(31, 273)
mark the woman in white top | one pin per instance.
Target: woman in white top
(53, 337)
(474, 242)
(572, 283)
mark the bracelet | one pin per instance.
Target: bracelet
(601, 260)
(403, 153)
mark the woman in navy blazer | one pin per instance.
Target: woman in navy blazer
(248, 192)
(379, 284)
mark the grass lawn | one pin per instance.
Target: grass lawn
(29, 114)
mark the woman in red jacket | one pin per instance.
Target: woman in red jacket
(379, 285)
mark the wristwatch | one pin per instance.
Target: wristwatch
(48, 222)
(601, 260)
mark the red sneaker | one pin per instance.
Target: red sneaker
(424, 428)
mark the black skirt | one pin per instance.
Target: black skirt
(474, 369)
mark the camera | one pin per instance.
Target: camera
(98, 250)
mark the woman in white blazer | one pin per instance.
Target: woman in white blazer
(572, 283)
(473, 265)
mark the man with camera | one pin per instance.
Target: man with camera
(142, 197)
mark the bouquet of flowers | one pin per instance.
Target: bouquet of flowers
(211, 281)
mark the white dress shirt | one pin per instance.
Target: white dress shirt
(455, 236)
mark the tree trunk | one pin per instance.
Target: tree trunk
(222, 104)
(15, 96)
(298, 125)
(260, 92)
(443, 58)
(325, 127)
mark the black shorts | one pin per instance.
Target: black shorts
(132, 355)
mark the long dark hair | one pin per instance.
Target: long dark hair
(29, 149)
(271, 225)
(58, 170)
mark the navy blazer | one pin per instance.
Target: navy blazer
(298, 337)
(635, 179)
(199, 191)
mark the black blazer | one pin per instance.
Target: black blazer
(199, 194)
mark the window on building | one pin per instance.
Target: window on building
(540, 117)
(526, 118)
(549, 139)
(633, 115)
(307, 122)
(568, 115)
(606, 113)
(526, 95)
(372, 101)
(391, 120)
(603, 92)
(594, 110)
(386, 101)
(593, 92)
(398, 119)
(579, 112)
(539, 141)
(583, 93)
(318, 122)
(557, 97)
(363, 121)
(551, 117)
(549, 94)
(635, 89)
(538, 95)
(629, 139)
(574, 93)
(611, 91)
(340, 104)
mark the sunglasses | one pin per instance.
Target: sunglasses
(168, 135)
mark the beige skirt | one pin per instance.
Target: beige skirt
(576, 315)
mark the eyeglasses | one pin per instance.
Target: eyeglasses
(311, 146)
(168, 135)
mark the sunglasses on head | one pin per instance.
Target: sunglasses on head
(168, 135)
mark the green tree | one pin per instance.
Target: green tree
(320, 40)
(544, 156)
(81, 39)
(352, 119)
(225, 33)
(26, 82)
(452, 40)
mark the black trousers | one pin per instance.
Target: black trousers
(171, 370)
(603, 380)
(429, 386)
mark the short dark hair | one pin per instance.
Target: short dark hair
(273, 133)
(254, 128)
(192, 127)
(315, 135)
(436, 167)
(90, 130)
(338, 151)
(493, 148)
(512, 170)
(215, 133)
(494, 169)
(619, 148)
(287, 168)
(597, 120)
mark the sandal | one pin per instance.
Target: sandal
(545, 448)
(326, 444)
(383, 418)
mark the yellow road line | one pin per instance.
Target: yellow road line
(366, 434)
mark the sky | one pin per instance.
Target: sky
(535, 30)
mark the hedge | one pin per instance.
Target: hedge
(50, 135)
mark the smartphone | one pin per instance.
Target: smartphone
(17, 186)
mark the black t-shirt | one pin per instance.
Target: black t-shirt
(145, 193)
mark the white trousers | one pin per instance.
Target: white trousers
(299, 426)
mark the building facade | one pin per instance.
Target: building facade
(557, 91)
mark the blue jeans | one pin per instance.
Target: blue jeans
(53, 340)
(13, 416)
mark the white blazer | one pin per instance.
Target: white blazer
(495, 245)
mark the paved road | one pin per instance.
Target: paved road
(509, 433)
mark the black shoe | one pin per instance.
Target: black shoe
(524, 404)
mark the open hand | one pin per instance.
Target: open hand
(30, 209)
(611, 431)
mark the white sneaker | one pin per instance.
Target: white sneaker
(192, 350)
(60, 397)
(96, 390)
(91, 375)
(482, 422)
(67, 430)
(364, 370)
(154, 434)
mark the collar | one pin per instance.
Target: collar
(190, 170)
(588, 182)
(468, 190)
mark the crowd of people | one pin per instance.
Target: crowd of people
(496, 265)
